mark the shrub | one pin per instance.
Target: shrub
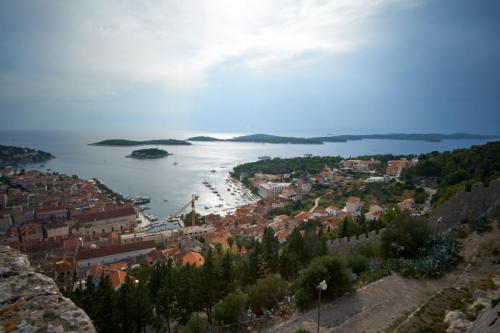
(330, 268)
(266, 293)
(229, 310)
(403, 235)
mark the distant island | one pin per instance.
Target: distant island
(128, 143)
(260, 138)
(148, 153)
(266, 138)
(11, 156)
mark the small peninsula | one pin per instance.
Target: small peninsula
(129, 143)
(11, 156)
(266, 138)
(148, 153)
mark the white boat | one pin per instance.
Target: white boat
(141, 200)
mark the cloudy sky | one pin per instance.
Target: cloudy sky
(339, 66)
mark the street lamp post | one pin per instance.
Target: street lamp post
(322, 286)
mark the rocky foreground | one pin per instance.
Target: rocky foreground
(31, 302)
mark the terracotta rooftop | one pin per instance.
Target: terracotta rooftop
(106, 214)
(115, 249)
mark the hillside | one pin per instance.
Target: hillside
(10, 156)
(457, 168)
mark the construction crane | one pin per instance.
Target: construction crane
(194, 197)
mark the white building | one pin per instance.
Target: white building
(269, 189)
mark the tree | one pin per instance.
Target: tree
(227, 273)
(330, 268)
(211, 284)
(229, 310)
(125, 308)
(267, 293)
(403, 234)
(142, 306)
(105, 316)
(167, 295)
(270, 251)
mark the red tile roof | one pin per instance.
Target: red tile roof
(115, 249)
(106, 214)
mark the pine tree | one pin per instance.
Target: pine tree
(270, 251)
(166, 295)
(211, 284)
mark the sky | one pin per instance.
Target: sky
(260, 66)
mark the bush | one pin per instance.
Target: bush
(266, 293)
(403, 235)
(229, 310)
(330, 268)
(358, 264)
(481, 224)
(196, 325)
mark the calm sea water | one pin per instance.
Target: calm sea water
(171, 181)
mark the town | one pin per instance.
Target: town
(70, 227)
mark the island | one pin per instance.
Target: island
(260, 138)
(128, 143)
(266, 138)
(148, 153)
(11, 156)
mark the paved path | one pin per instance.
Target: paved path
(372, 309)
(316, 201)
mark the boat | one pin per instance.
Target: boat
(308, 155)
(143, 208)
(165, 200)
(141, 200)
(175, 163)
(206, 207)
(151, 217)
(264, 158)
(212, 171)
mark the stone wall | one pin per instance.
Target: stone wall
(31, 302)
(347, 243)
(467, 205)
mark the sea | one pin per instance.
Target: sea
(170, 182)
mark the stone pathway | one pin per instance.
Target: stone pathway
(372, 309)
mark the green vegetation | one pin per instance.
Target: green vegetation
(297, 166)
(330, 268)
(148, 153)
(455, 169)
(404, 234)
(11, 156)
(266, 293)
(229, 310)
(127, 143)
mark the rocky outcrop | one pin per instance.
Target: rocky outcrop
(31, 302)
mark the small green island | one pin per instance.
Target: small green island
(129, 143)
(148, 153)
